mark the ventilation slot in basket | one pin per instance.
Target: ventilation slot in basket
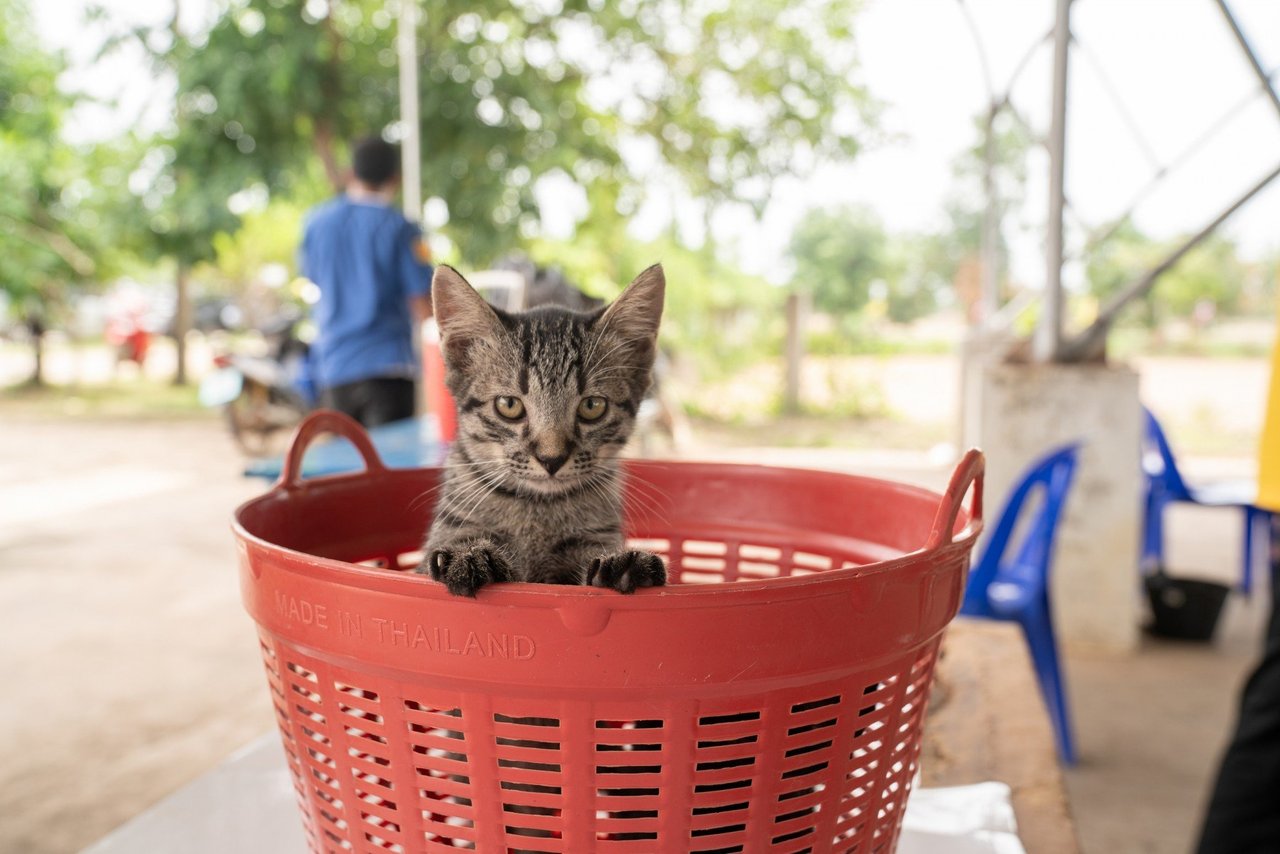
(882, 757)
(808, 752)
(529, 763)
(628, 757)
(437, 739)
(364, 726)
(727, 755)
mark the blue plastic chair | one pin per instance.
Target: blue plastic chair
(1011, 579)
(1165, 485)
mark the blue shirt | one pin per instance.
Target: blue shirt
(367, 260)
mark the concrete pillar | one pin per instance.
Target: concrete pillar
(1016, 413)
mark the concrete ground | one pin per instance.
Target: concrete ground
(130, 669)
(129, 666)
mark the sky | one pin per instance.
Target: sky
(1173, 63)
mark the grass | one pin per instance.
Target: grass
(1129, 342)
(820, 431)
(139, 399)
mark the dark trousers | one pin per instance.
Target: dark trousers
(373, 402)
(1244, 810)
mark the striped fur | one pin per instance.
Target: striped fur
(538, 497)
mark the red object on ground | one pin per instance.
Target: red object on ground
(439, 401)
(138, 342)
(778, 708)
(125, 331)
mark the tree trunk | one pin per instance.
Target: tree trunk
(324, 143)
(182, 307)
(797, 318)
(37, 347)
(182, 322)
(36, 329)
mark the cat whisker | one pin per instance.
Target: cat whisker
(476, 487)
(625, 342)
(496, 482)
(460, 490)
(635, 496)
(596, 339)
(456, 467)
(642, 507)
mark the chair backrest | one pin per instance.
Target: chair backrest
(1004, 560)
(1158, 464)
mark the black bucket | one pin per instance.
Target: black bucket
(1185, 608)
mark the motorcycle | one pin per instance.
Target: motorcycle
(263, 397)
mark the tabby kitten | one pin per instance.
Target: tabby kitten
(546, 399)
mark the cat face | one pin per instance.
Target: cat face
(547, 397)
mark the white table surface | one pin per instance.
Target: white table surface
(248, 805)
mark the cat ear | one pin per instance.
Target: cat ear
(462, 314)
(638, 311)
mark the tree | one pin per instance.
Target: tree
(1125, 255)
(837, 255)
(515, 91)
(42, 246)
(715, 314)
(181, 194)
(916, 278)
(254, 263)
(959, 246)
(1211, 273)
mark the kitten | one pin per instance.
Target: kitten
(546, 399)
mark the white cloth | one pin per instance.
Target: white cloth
(975, 819)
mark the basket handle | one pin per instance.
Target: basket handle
(318, 423)
(969, 472)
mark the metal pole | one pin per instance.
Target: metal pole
(1090, 344)
(410, 145)
(989, 295)
(990, 302)
(1048, 340)
(1251, 56)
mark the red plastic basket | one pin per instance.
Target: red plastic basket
(777, 709)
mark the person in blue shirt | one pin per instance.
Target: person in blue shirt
(373, 270)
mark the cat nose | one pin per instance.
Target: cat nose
(552, 464)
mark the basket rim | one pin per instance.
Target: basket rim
(515, 592)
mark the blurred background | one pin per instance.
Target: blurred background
(851, 200)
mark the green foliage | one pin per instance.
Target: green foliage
(851, 265)
(1211, 273)
(721, 100)
(267, 236)
(838, 255)
(1116, 262)
(966, 204)
(867, 342)
(40, 243)
(138, 400)
(716, 315)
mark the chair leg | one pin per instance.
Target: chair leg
(1037, 626)
(1251, 517)
(1153, 534)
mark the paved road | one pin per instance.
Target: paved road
(128, 667)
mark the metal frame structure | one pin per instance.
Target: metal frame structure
(410, 145)
(1050, 342)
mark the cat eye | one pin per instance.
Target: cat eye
(592, 408)
(510, 408)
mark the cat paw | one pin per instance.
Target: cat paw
(625, 571)
(464, 571)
